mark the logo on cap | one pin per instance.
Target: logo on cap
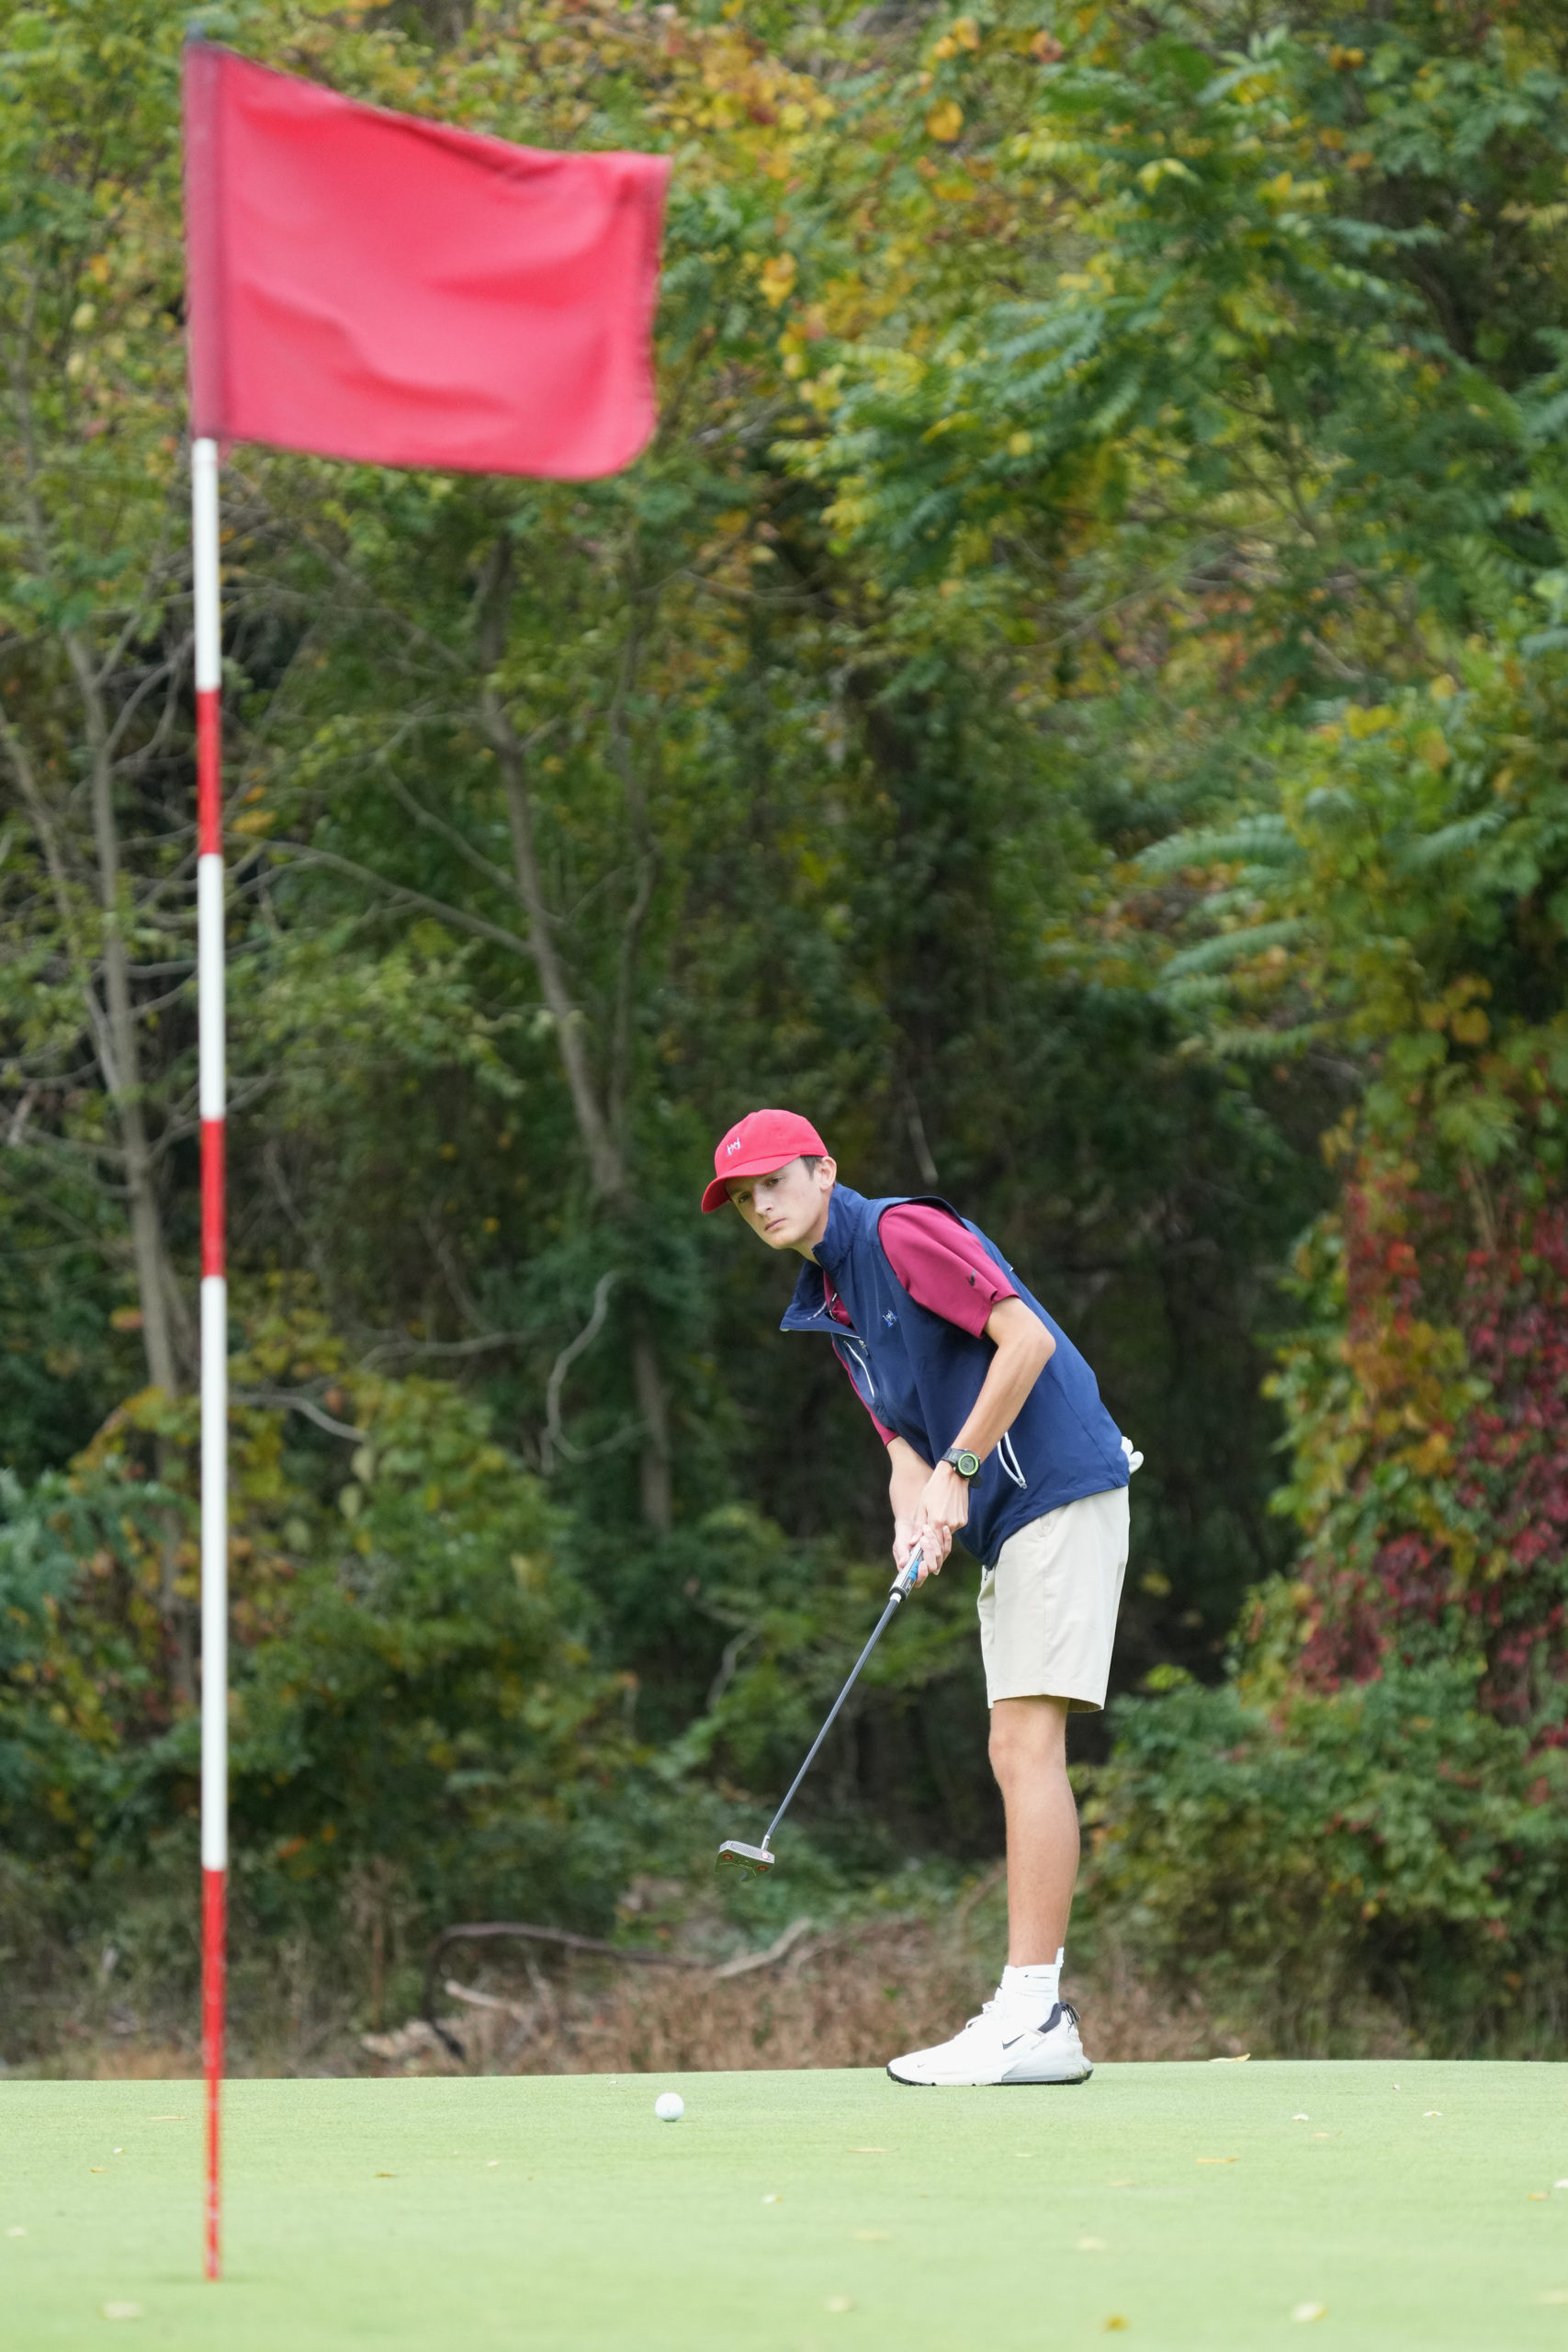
(732, 1146)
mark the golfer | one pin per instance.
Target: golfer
(995, 1431)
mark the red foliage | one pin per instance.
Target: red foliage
(1478, 1549)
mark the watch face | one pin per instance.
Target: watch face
(967, 1464)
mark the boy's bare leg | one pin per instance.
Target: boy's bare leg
(1025, 2034)
(1029, 1757)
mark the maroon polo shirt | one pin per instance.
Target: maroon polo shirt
(943, 1268)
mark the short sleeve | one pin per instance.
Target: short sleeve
(942, 1266)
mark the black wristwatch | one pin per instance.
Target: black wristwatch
(967, 1465)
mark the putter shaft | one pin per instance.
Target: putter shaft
(903, 1584)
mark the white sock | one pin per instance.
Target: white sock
(1031, 1993)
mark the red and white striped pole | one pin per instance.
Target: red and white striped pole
(214, 1317)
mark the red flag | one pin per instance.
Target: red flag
(369, 285)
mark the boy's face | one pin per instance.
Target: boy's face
(788, 1208)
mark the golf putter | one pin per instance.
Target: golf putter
(752, 1861)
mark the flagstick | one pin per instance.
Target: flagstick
(214, 1317)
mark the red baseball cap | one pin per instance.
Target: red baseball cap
(755, 1146)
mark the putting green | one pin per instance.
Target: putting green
(1209, 2207)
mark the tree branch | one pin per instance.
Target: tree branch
(607, 1167)
(399, 894)
(552, 1441)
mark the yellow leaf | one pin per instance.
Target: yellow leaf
(1434, 750)
(1164, 167)
(1470, 1027)
(779, 273)
(966, 32)
(1019, 443)
(945, 121)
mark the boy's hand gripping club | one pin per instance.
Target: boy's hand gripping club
(751, 1860)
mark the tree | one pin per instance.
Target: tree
(96, 645)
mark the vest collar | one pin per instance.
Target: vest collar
(846, 1210)
(808, 1310)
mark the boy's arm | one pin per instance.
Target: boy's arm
(1024, 1347)
(907, 1472)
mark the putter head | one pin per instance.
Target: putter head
(751, 1861)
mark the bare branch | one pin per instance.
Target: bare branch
(398, 894)
(398, 1346)
(553, 1442)
(635, 803)
(460, 841)
(294, 1400)
(606, 1164)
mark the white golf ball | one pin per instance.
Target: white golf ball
(669, 2107)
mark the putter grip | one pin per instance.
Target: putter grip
(907, 1577)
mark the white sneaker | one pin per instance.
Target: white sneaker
(994, 2048)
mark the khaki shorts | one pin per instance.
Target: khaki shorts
(1048, 1608)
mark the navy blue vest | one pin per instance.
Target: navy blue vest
(920, 1375)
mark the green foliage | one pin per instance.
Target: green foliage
(798, 1618)
(1287, 1859)
(1072, 697)
(415, 1711)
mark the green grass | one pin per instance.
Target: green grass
(556, 2213)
